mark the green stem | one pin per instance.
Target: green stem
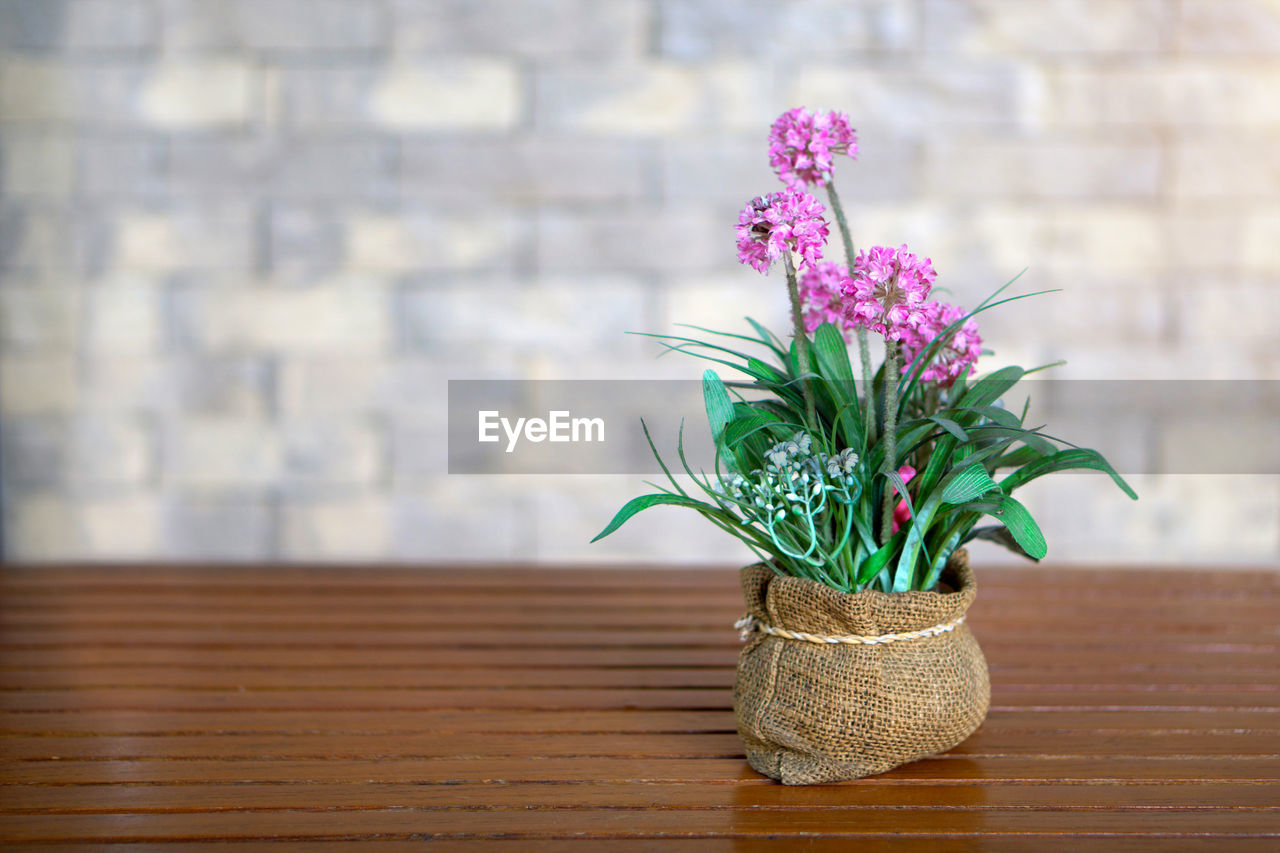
(841, 222)
(802, 339)
(890, 436)
(864, 349)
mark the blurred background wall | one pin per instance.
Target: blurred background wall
(244, 244)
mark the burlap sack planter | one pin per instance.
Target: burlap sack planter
(813, 712)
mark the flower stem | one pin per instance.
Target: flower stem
(864, 349)
(802, 339)
(890, 435)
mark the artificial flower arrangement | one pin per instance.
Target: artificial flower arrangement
(857, 497)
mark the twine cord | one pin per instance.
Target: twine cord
(748, 624)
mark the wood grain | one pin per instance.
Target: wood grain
(157, 708)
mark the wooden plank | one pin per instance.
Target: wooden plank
(1214, 657)
(1228, 586)
(1152, 697)
(1029, 842)
(111, 798)
(380, 677)
(448, 722)
(986, 743)
(951, 769)
(627, 823)
(1162, 579)
(425, 601)
(588, 636)
(1260, 626)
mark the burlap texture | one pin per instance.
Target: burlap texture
(810, 712)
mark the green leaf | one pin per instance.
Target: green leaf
(991, 387)
(1021, 526)
(951, 427)
(1039, 443)
(691, 342)
(971, 483)
(643, 502)
(742, 427)
(1016, 458)
(939, 563)
(877, 561)
(997, 415)
(719, 407)
(1059, 363)
(762, 371)
(833, 359)
(768, 337)
(1042, 444)
(1000, 535)
(1064, 460)
(919, 522)
(848, 422)
(658, 457)
(764, 339)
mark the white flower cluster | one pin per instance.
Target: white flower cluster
(793, 476)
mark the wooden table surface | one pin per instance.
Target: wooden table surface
(590, 710)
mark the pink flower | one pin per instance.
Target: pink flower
(790, 220)
(887, 291)
(801, 144)
(950, 359)
(822, 296)
(901, 512)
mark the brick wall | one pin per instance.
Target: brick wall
(244, 243)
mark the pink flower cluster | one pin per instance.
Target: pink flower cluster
(902, 512)
(821, 289)
(790, 220)
(951, 358)
(801, 145)
(888, 290)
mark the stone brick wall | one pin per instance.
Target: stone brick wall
(244, 243)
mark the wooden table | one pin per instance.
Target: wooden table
(590, 710)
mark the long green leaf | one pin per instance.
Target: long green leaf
(719, 406)
(904, 575)
(751, 366)
(773, 341)
(1016, 458)
(643, 502)
(759, 369)
(877, 561)
(833, 361)
(1000, 535)
(951, 427)
(972, 483)
(991, 387)
(997, 415)
(1022, 527)
(740, 428)
(658, 456)
(761, 340)
(1064, 460)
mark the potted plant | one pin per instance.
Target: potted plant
(857, 497)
